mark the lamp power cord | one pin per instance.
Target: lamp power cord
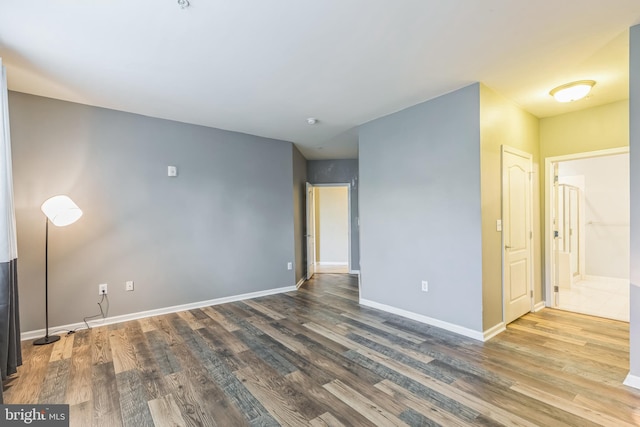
(104, 312)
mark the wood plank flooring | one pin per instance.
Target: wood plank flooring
(316, 357)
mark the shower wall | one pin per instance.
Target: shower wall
(604, 183)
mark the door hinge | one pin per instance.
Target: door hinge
(531, 234)
(555, 179)
(556, 234)
(531, 294)
(556, 289)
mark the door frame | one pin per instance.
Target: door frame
(310, 218)
(503, 149)
(335, 184)
(548, 276)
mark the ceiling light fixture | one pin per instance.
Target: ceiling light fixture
(312, 121)
(183, 3)
(572, 91)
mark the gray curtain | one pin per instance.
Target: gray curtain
(10, 351)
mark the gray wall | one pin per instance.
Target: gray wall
(420, 209)
(299, 213)
(341, 171)
(221, 228)
(634, 153)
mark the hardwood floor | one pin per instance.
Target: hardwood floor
(315, 357)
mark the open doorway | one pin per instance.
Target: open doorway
(329, 229)
(588, 233)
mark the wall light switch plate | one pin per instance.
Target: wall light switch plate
(498, 225)
(289, 266)
(172, 171)
(128, 285)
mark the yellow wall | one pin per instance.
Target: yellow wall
(332, 224)
(503, 123)
(597, 128)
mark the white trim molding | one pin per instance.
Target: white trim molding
(331, 263)
(632, 381)
(539, 306)
(354, 272)
(156, 312)
(300, 283)
(470, 333)
(493, 331)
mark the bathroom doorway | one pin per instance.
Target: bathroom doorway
(588, 233)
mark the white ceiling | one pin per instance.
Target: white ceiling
(262, 67)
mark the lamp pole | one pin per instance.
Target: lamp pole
(46, 339)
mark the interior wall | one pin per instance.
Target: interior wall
(634, 150)
(222, 227)
(606, 212)
(591, 129)
(420, 209)
(504, 123)
(299, 213)
(332, 225)
(341, 172)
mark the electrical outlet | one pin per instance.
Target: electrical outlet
(102, 289)
(425, 286)
(289, 266)
(128, 285)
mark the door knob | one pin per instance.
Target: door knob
(507, 247)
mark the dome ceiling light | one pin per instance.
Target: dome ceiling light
(572, 91)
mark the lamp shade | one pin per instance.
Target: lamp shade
(61, 210)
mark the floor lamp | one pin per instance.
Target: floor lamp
(60, 211)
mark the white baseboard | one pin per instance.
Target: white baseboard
(632, 381)
(156, 312)
(476, 335)
(592, 278)
(539, 306)
(493, 331)
(304, 279)
(331, 263)
(354, 272)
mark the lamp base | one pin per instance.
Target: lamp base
(49, 339)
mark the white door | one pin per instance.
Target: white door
(311, 230)
(517, 233)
